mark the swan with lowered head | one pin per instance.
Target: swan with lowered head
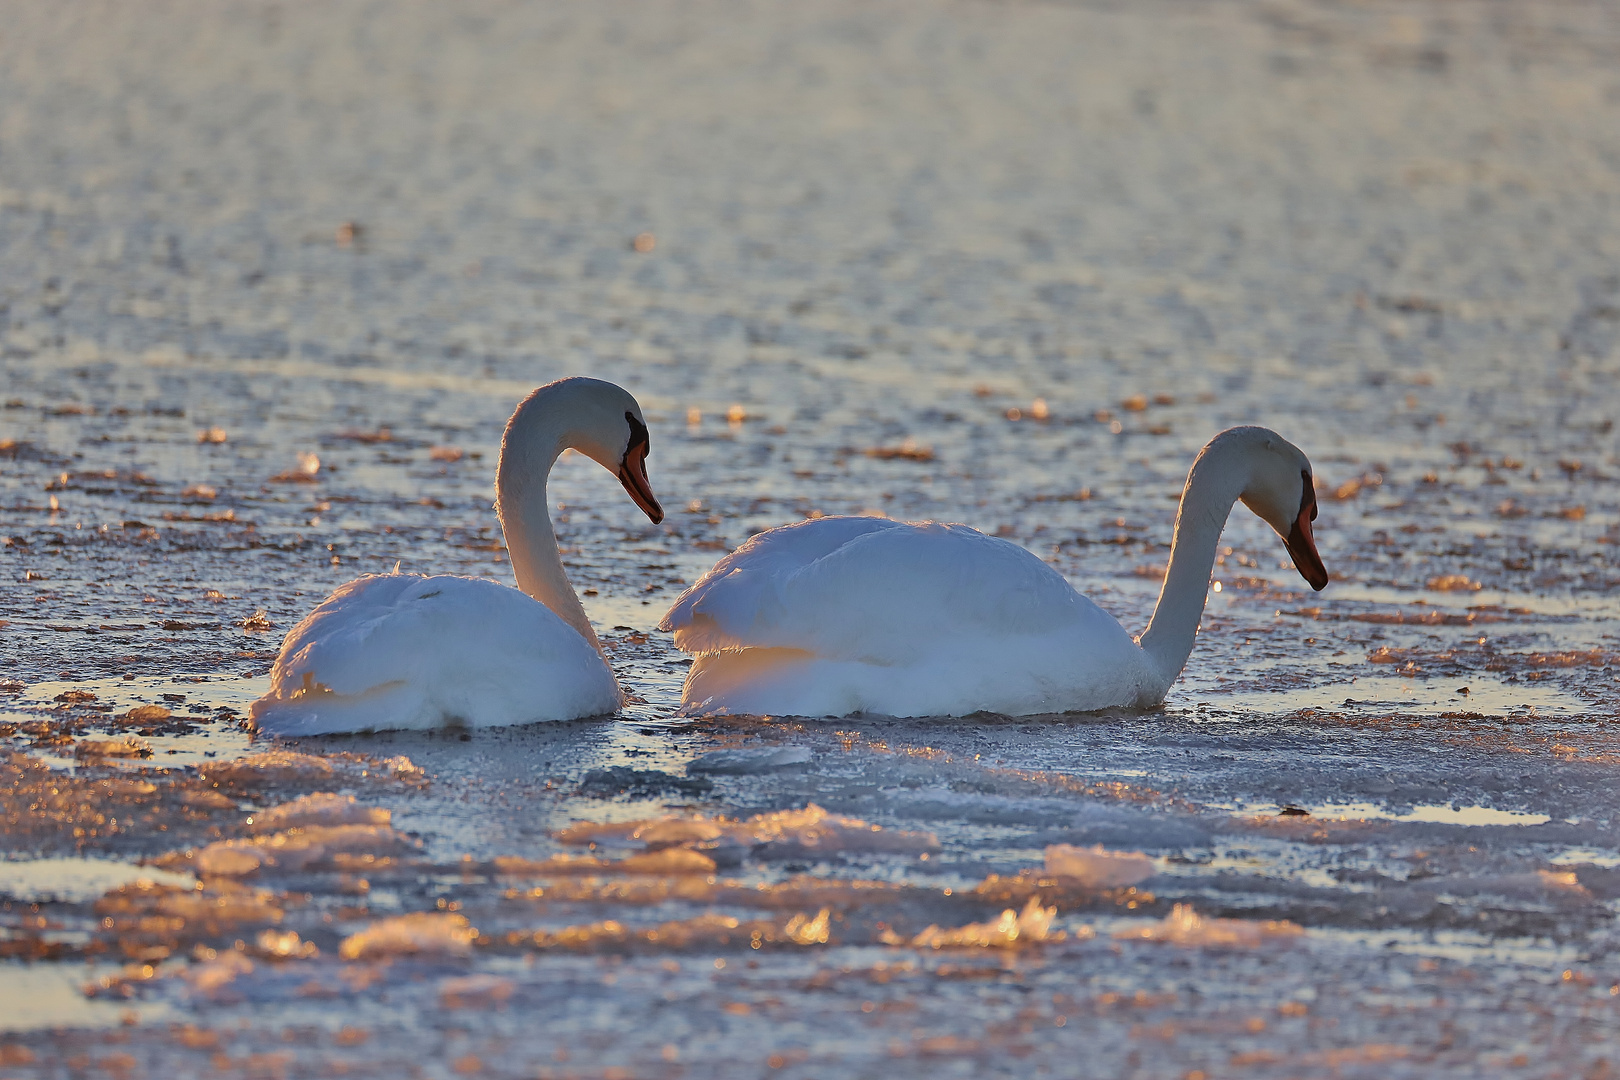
(845, 615)
(407, 651)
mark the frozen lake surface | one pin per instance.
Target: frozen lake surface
(273, 276)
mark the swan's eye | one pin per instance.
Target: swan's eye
(638, 436)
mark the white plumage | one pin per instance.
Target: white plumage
(844, 615)
(406, 651)
(836, 616)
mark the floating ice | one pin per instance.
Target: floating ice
(401, 767)
(808, 929)
(782, 834)
(269, 767)
(1559, 888)
(207, 799)
(1096, 868)
(321, 808)
(1184, 926)
(163, 913)
(419, 932)
(222, 860)
(753, 760)
(284, 945)
(1014, 928)
(666, 861)
(300, 849)
(125, 787)
(708, 931)
(123, 746)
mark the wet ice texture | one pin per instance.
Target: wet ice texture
(271, 279)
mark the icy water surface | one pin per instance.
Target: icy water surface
(272, 277)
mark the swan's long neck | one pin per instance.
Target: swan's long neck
(529, 449)
(1213, 486)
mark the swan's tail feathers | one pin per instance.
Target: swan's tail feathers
(312, 708)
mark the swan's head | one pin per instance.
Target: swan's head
(600, 420)
(1281, 490)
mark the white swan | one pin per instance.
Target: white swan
(407, 651)
(863, 615)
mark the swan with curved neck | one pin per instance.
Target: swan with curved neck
(408, 651)
(863, 615)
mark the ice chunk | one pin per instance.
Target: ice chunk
(809, 930)
(1014, 928)
(120, 787)
(223, 860)
(221, 906)
(672, 832)
(1096, 868)
(322, 808)
(1560, 888)
(207, 799)
(269, 767)
(755, 760)
(419, 932)
(665, 861)
(300, 849)
(123, 746)
(1184, 926)
(285, 945)
(401, 767)
(701, 932)
(791, 833)
(781, 834)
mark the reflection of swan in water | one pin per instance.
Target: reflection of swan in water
(406, 651)
(844, 615)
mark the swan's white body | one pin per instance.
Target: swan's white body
(847, 615)
(407, 651)
(860, 615)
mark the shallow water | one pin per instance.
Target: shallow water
(272, 279)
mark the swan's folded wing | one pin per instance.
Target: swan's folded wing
(407, 651)
(722, 610)
(873, 590)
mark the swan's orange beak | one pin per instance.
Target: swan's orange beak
(633, 475)
(1302, 545)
